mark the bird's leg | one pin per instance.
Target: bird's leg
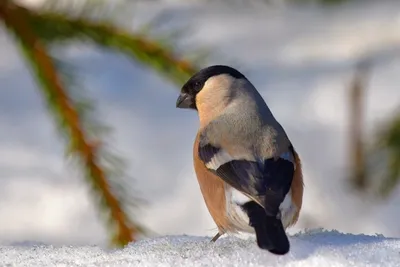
(218, 235)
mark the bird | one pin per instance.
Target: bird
(248, 171)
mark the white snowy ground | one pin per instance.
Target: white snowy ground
(309, 249)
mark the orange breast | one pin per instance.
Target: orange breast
(213, 189)
(297, 188)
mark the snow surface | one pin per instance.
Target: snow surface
(313, 248)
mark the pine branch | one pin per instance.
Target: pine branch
(65, 111)
(57, 27)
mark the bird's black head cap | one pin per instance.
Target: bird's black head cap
(194, 85)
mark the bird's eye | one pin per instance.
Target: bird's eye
(197, 86)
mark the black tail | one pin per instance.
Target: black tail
(269, 230)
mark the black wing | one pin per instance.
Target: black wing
(267, 180)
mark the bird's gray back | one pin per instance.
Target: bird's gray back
(248, 122)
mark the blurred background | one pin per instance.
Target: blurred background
(329, 70)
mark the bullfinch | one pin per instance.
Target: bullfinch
(248, 171)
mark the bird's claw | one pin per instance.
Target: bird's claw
(215, 238)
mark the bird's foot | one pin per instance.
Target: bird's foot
(215, 238)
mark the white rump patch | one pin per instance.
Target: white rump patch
(234, 200)
(234, 212)
(238, 197)
(288, 209)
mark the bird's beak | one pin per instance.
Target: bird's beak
(184, 101)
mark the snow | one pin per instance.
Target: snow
(313, 248)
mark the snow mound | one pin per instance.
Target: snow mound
(312, 248)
